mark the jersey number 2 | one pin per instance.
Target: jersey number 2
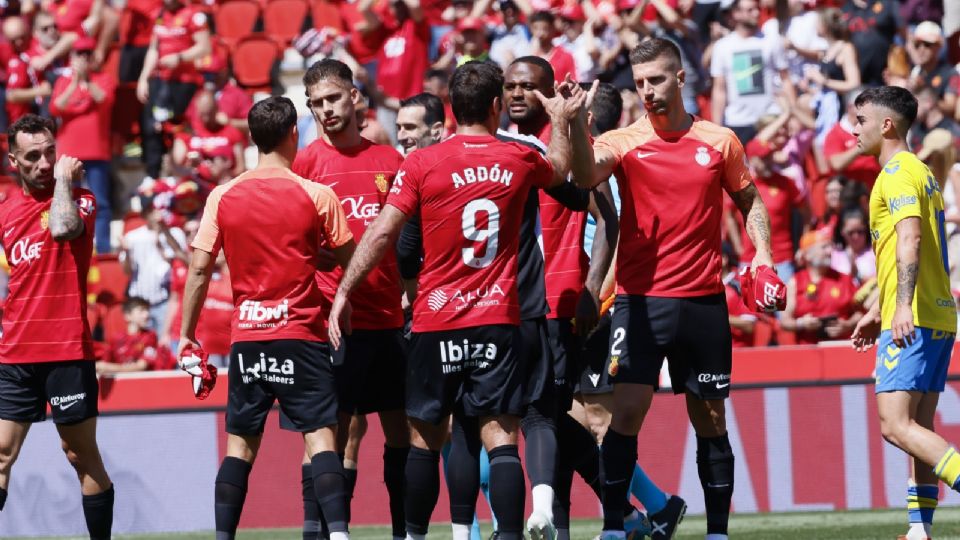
(490, 235)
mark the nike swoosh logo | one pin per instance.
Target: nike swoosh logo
(719, 386)
(8, 232)
(68, 405)
(331, 184)
(642, 155)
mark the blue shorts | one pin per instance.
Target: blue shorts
(920, 367)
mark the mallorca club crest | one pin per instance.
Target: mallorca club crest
(614, 366)
(702, 157)
(381, 181)
(45, 219)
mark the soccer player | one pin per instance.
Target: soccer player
(279, 350)
(371, 362)
(915, 319)
(46, 351)
(469, 192)
(670, 300)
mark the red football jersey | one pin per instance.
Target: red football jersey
(271, 224)
(20, 76)
(469, 192)
(136, 21)
(213, 143)
(562, 63)
(832, 296)
(360, 177)
(84, 124)
(780, 195)
(69, 14)
(45, 314)
(839, 139)
(403, 59)
(174, 32)
(671, 192)
(736, 308)
(143, 345)
(216, 317)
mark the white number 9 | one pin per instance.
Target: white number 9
(488, 235)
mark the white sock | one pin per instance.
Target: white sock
(339, 536)
(543, 500)
(918, 531)
(713, 537)
(411, 536)
(461, 532)
(615, 534)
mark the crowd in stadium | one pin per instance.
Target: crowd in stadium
(152, 96)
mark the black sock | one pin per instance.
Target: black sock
(350, 484)
(423, 488)
(715, 465)
(394, 462)
(3, 498)
(329, 485)
(507, 491)
(311, 509)
(579, 451)
(619, 454)
(98, 511)
(229, 493)
(463, 469)
(540, 435)
(562, 484)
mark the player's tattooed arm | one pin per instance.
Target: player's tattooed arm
(65, 222)
(756, 219)
(908, 259)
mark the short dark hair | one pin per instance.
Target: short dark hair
(607, 107)
(473, 88)
(542, 16)
(432, 107)
(652, 49)
(436, 74)
(29, 123)
(133, 302)
(539, 62)
(328, 68)
(270, 122)
(898, 100)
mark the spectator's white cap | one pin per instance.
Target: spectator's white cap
(928, 31)
(726, 4)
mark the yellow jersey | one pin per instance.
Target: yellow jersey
(906, 188)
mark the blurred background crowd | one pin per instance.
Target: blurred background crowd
(152, 95)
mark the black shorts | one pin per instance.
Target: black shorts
(565, 352)
(296, 373)
(692, 333)
(536, 357)
(370, 366)
(70, 387)
(593, 376)
(471, 371)
(131, 63)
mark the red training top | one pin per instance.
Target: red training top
(84, 124)
(128, 348)
(780, 195)
(469, 191)
(271, 224)
(360, 176)
(403, 60)
(832, 296)
(45, 314)
(174, 31)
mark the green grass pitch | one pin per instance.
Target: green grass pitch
(857, 525)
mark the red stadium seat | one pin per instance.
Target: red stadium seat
(283, 19)
(235, 19)
(326, 13)
(253, 59)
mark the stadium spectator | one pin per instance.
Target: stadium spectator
(783, 198)
(803, 42)
(841, 151)
(233, 103)
(854, 256)
(436, 82)
(146, 253)
(211, 151)
(511, 38)
(543, 29)
(402, 58)
(579, 39)
(742, 320)
(136, 31)
(169, 77)
(930, 116)
(836, 72)
(788, 137)
(951, 207)
(138, 348)
(930, 68)
(468, 43)
(745, 66)
(873, 26)
(820, 303)
(26, 87)
(216, 315)
(83, 103)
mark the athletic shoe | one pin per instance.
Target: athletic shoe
(540, 527)
(663, 524)
(904, 537)
(494, 536)
(636, 525)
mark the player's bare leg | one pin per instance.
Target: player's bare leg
(12, 435)
(714, 461)
(79, 443)
(899, 427)
(422, 474)
(924, 489)
(352, 430)
(396, 447)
